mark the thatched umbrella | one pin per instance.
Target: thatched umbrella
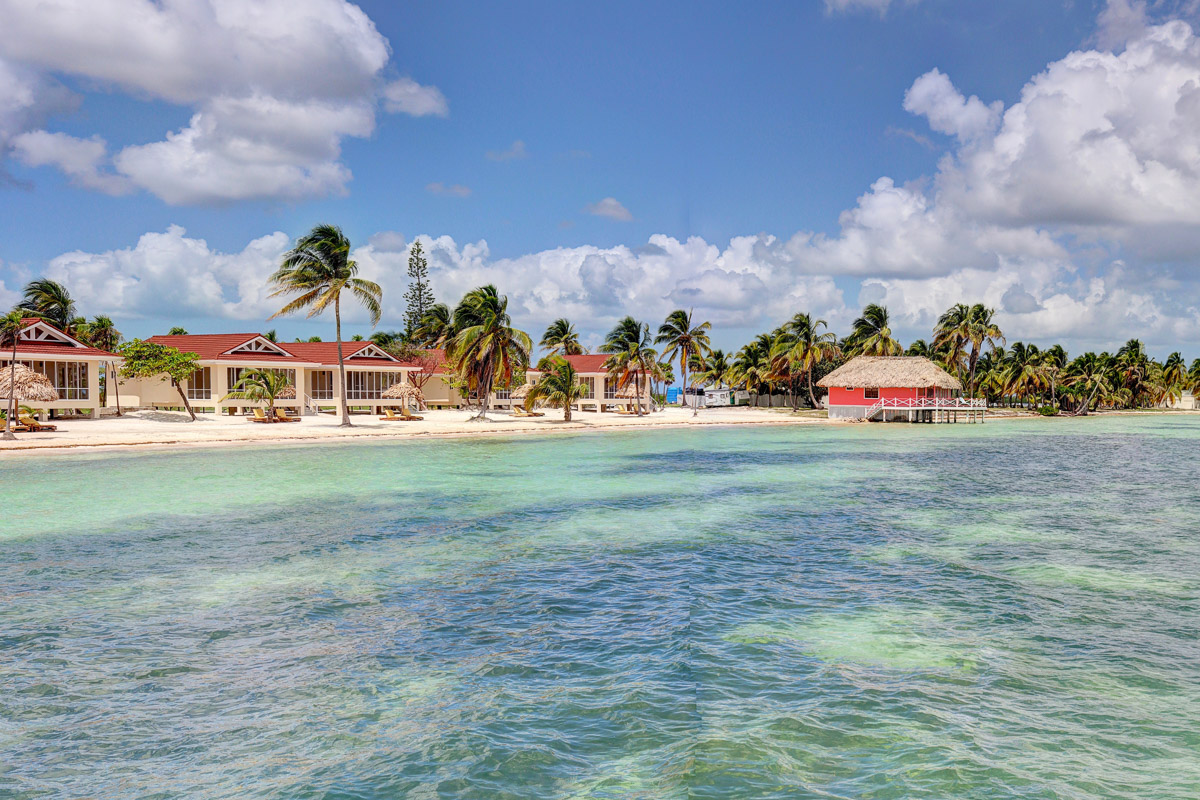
(406, 392)
(521, 392)
(31, 387)
(286, 393)
(630, 392)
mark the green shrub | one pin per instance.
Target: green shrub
(1048, 411)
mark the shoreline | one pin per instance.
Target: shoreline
(162, 430)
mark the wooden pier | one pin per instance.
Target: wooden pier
(928, 409)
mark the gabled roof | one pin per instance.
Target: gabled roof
(39, 337)
(591, 363)
(890, 372)
(241, 348)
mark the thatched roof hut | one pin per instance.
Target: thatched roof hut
(891, 372)
(31, 387)
(403, 391)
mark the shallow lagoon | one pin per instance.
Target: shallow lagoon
(1007, 610)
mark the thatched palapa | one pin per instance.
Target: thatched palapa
(891, 372)
(286, 393)
(403, 391)
(31, 387)
(630, 392)
(521, 392)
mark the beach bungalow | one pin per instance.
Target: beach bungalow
(70, 365)
(888, 388)
(602, 388)
(312, 367)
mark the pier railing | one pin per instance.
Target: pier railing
(927, 404)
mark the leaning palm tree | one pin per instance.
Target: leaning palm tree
(1089, 376)
(872, 334)
(50, 301)
(486, 349)
(559, 386)
(809, 346)
(712, 370)
(259, 386)
(11, 325)
(630, 356)
(685, 340)
(318, 268)
(562, 339)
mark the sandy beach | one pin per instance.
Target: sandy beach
(174, 429)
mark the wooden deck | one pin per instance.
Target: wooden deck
(929, 409)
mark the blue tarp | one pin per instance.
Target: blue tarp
(672, 394)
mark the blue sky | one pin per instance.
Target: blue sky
(734, 153)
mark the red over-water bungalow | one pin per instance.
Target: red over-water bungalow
(903, 388)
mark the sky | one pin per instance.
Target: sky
(746, 161)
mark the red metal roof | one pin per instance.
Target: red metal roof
(216, 347)
(590, 363)
(33, 348)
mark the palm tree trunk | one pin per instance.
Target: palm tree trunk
(637, 391)
(12, 391)
(337, 316)
(812, 398)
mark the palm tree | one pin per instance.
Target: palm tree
(486, 348)
(259, 385)
(1054, 361)
(318, 268)
(50, 301)
(1023, 374)
(11, 325)
(387, 339)
(560, 386)
(562, 339)
(1089, 375)
(982, 331)
(178, 331)
(684, 339)
(713, 369)
(435, 328)
(630, 356)
(919, 348)
(103, 334)
(872, 335)
(752, 366)
(808, 347)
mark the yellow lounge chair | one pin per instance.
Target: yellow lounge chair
(408, 415)
(33, 425)
(518, 411)
(259, 416)
(389, 415)
(282, 416)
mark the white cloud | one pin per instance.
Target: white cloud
(933, 96)
(168, 275)
(515, 151)
(80, 159)
(275, 86)
(26, 100)
(453, 190)
(1120, 21)
(406, 96)
(879, 6)
(610, 207)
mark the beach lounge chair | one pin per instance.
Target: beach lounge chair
(518, 411)
(282, 416)
(31, 425)
(259, 416)
(626, 411)
(404, 412)
(389, 415)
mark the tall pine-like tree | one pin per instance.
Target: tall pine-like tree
(419, 296)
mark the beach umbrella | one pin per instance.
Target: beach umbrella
(286, 393)
(628, 393)
(31, 387)
(521, 392)
(406, 392)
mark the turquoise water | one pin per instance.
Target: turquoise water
(1005, 611)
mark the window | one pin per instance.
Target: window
(369, 385)
(589, 387)
(610, 389)
(200, 384)
(322, 384)
(871, 394)
(70, 378)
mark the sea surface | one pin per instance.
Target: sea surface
(876, 611)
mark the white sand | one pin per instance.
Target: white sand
(171, 429)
